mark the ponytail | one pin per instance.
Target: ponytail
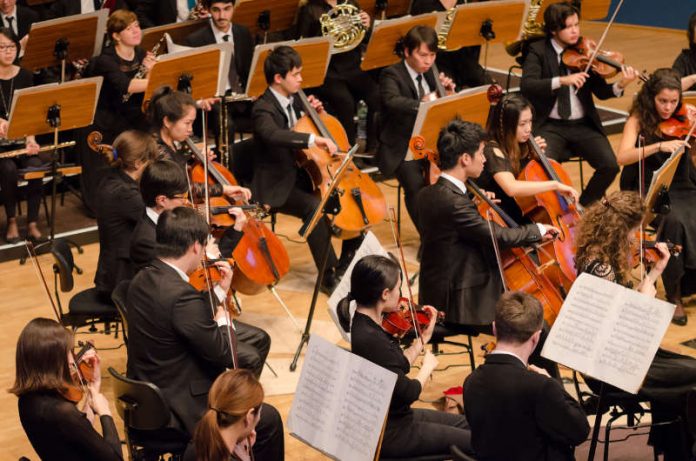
(343, 312)
(207, 439)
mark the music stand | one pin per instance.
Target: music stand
(178, 31)
(591, 10)
(386, 34)
(266, 16)
(315, 53)
(385, 8)
(57, 41)
(53, 108)
(657, 198)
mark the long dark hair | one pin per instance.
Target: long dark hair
(502, 128)
(370, 277)
(169, 103)
(644, 103)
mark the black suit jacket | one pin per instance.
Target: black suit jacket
(540, 67)
(458, 271)
(156, 12)
(275, 169)
(143, 243)
(518, 415)
(173, 340)
(62, 8)
(25, 17)
(243, 47)
(399, 110)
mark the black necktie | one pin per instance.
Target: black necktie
(232, 75)
(9, 20)
(563, 93)
(421, 90)
(291, 121)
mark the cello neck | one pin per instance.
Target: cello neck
(314, 116)
(203, 159)
(441, 92)
(480, 194)
(543, 159)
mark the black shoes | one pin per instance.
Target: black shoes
(329, 282)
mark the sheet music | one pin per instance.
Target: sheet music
(608, 332)
(341, 402)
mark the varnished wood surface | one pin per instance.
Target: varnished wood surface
(21, 297)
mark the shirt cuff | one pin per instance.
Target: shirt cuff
(310, 142)
(542, 229)
(555, 83)
(618, 91)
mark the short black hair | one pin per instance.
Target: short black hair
(418, 35)
(162, 177)
(169, 103)
(208, 3)
(457, 138)
(555, 16)
(281, 60)
(177, 230)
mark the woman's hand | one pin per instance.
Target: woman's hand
(568, 192)
(541, 142)
(97, 402)
(32, 146)
(427, 334)
(628, 76)
(364, 19)
(149, 61)
(207, 103)
(92, 359)
(660, 265)
(671, 146)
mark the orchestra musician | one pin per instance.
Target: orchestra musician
(376, 288)
(345, 83)
(458, 271)
(508, 152)
(175, 341)
(120, 207)
(685, 63)
(657, 101)
(569, 122)
(234, 410)
(56, 428)
(19, 19)
(62, 8)
(605, 242)
(403, 86)
(509, 399)
(160, 12)
(278, 181)
(13, 77)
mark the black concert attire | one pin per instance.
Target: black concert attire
(159, 12)
(462, 64)
(119, 208)
(9, 175)
(570, 124)
(345, 83)
(685, 64)
(669, 380)
(58, 431)
(409, 431)
(534, 416)
(401, 97)
(175, 343)
(679, 225)
(20, 21)
(62, 8)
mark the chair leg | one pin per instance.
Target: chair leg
(398, 208)
(472, 359)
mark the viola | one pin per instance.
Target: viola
(606, 63)
(399, 323)
(680, 123)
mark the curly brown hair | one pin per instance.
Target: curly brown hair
(604, 233)
(644, 103)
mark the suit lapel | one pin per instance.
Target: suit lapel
(407, 78)
(281, 110)
(552, 59)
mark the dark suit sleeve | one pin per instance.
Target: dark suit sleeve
(307, 22)
(142, 248)
(392, 99)
(77, 431)
(560, 416)
(145, 11)
(57, 9)
(600, 87)
(268, 132)
(532, 84)
(229, 241)
(244, 52)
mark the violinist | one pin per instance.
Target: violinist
(376, 289)
(605, 242)
(13, 77)
(229, 424)
(403, 86)
(508, 152)
(509, 399)
(120, 207)
(458, 267)
(568, 121)
(278, 181)
(685, 64)
(56, 428)
(657, 101)
(177, 340)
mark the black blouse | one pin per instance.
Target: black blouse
(23, 79)
(685, 64)
(59, 431)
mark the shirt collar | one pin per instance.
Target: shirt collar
(495, 351)
(557, 46)
(181, 273)
(13, 13)
(152, 214)
(457, 182)
(218, 35)
(282, 100)
(411, 72)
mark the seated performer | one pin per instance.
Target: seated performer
(508, 152)
(175, 341)
(160, 12)
(62, 8)
(228, 427)
(569, 122)
(56, 428)
(658, 100)
(376, 288)
(19, 19)
(605, 243)
(403, 86)
(509, 399)
(278, 181)
(685, 64)
(458, 267)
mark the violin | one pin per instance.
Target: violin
(81, 373)
(605, 64)
(647, 253)
(207, 275)
(680, 123)
(399, 323)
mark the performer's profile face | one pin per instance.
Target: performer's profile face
(569, 35)
(181, 129)
(524, 125)
(420, 59)
(292, 82)
(474, 165)
(666, 102)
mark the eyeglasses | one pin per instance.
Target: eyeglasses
(183, 196)
(12, 47)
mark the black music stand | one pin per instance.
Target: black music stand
(58, 41)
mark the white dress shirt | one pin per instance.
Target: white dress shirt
(13, 15)
(414, 77)
(284, 101)
(86, 6)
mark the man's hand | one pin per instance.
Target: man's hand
(315, 103)
(447, 83)
(240, 218)
(225, 274)
(551, 233)
(577, 80)
(326, 144)
(364, 19)
(237, 192)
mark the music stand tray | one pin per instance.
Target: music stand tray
(505, 17)
(265, 16)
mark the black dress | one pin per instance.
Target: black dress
(58, 431)
(409, 432)
(669, 380)
(685, 64)
(679, 225)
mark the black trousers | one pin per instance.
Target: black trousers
(9, 191)
(253, 345)
(566, 138)
(410, 175)
(425, 432)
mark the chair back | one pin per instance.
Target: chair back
(242, 161)
(140, 404)
(118, 296)
(64, 264)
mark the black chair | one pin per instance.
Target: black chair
(442, 457)
(86, 307)
(118, 296)
(146, 417)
